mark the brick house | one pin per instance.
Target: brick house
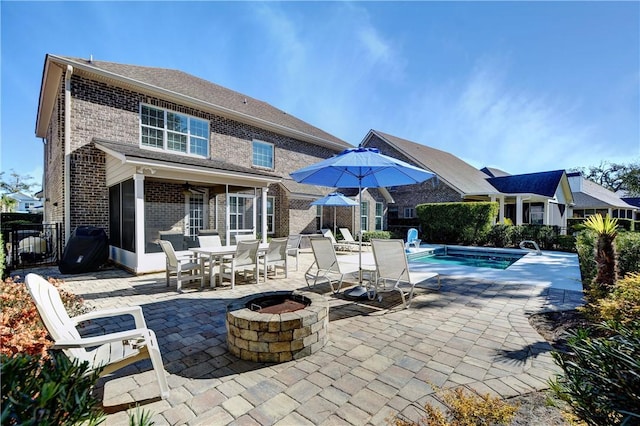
(148, 153)
(534, 198)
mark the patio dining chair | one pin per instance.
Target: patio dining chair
(243, 237)
(293, 246)
(209, 240)
(243, 260)
(392, 268)
(276, 257)
(179, 265)
(327, 265)
(412, 238)
(111, 351)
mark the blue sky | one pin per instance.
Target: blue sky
(521, 86)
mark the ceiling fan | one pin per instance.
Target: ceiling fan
(187, 187)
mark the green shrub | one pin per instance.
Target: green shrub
(380, 235)
(498, 236)
(628, 249)
(48, 391)
(601, 380)
(456, 223)
(566, 243)
(585, 243)
(622, 304)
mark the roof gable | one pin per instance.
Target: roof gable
(589, 194)
(542, 183)
(453, 171)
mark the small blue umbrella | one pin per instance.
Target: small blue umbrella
(361, 167)
(335, 199)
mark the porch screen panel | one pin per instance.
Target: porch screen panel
(114, 216)
(196, 214)
(128, 215)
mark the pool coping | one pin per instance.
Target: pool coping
(552, 269)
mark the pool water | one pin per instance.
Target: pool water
(473, 258)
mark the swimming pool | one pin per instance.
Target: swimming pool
(471, 256)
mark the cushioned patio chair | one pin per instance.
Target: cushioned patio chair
(412, 238)
(178, 266)
(111, 351)
(392, 268)
(327, 265)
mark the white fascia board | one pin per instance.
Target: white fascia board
(51, 77)
(204, 171)
(207, 106)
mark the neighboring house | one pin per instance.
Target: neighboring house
(591, 198)
(535, 198)
(24, 203)
(149, 153)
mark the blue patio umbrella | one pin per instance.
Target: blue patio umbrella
(335, 199)
(361, 167)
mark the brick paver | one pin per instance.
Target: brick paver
(380, 361)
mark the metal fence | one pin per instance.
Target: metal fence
(29, 245)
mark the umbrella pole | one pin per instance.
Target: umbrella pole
(360, 232)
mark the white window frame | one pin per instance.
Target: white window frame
(263, 144)
(190, 134)
(191, 228)
(379, 222)
(364, 218)
(409, 212)
(271, 217)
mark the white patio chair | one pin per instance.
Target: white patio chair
(244, 259)
(327, 264)
(179, 265)
(209, 240)
(111, 351)
(412, 238)
(340, 246)
(276, 257)
(293, 246)
(392, 267)
(348, 238)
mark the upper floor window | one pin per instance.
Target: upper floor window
(263, 154)
(172, 131)
(409, 212)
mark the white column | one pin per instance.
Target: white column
(138, 191)
(263, 225)
(519, 210)
(501, 209)
(227, 217)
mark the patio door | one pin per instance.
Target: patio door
(242, 214)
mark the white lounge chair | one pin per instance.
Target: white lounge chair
(327, 265)
(392, 268)
(293, 246)
(326, 233)
(348, 238)
(179, 265)
(111, 351)
(245, 259)
(412, 238)
(276, 257)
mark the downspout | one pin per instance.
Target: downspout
(67, 153)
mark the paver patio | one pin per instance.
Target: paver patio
(381, 360)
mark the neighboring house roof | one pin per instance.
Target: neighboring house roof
(542, 183)
(135, 154)
(184, 88)
(453, 171)
(22, 197)
(587, 193)
(634, 201)
(493, 172)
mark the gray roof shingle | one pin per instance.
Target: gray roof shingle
(197, 88)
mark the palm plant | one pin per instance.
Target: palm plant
(606, 229)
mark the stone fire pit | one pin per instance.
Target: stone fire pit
(277, 326)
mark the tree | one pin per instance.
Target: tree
(615, 176)
(15, 182)
(606, 229)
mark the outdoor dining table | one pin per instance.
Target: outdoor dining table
(215, 255)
